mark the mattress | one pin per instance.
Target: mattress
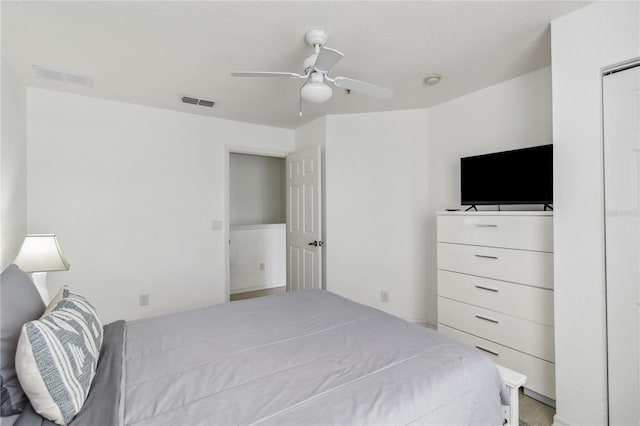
(307, 357)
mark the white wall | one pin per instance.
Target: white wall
(253, 246)
(311, 134)
(388, 173)
(13, 158)
(256, 189)
(132, 192)
(153, 180)
(583, 42)
(510, 115)
(377, 208)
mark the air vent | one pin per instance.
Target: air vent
(209, 104)
(195, 101)
(50, 74)
(77, 79)
(188, 100)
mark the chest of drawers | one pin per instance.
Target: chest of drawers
(495, 289)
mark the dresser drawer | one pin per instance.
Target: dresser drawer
(519, 232)
(518, 266)
(530, 303)
(525, 336)
(540, 374)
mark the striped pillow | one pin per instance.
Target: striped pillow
(64, 292)
(57, 357)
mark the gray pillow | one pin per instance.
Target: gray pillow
(20, 302)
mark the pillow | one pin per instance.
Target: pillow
(19, 302)
(57, 357)
(61, 294)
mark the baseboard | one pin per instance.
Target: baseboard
(561, 421)
(256, 288)
(424, 324)
(539, 397)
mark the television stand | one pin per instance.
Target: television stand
(473, 206)
(549, 206)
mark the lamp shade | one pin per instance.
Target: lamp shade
(316, 92)
(41, 253)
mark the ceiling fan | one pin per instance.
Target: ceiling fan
(316, 73)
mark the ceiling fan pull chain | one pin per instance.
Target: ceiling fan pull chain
(300, 98)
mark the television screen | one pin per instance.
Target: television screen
(522, 176)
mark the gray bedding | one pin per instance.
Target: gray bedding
(303, 358)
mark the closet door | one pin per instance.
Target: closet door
(621, 110)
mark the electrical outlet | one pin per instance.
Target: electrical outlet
(384, 296)
(144, 299)
(261, 266)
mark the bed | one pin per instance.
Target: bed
(302, 358)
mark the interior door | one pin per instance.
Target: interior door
(304, 220)
(621, 114)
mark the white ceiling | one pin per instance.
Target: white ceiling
(150, 52)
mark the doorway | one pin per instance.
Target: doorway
(257, 225)
(297, 198)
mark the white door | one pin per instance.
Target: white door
(621, 106)
(304, 219)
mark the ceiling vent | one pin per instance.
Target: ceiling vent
(195, 101)
(209, 104)
(49, 74)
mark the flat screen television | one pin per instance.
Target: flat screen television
(521, 176)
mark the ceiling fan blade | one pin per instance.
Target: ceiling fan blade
(363, 87)
(265, 74)
(327, 59)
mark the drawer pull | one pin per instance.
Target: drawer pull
(486, 225)
(487, 319)
(481, 287)
(487, 351)
(484, 256)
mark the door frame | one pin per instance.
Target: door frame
(228, 150)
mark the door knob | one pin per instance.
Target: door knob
(316, 243)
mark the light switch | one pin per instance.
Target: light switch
(216, 225)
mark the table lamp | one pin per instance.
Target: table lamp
(39, 254)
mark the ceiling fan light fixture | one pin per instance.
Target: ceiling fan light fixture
(316, 92)
(316, 67)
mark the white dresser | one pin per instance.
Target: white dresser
(495, 289)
